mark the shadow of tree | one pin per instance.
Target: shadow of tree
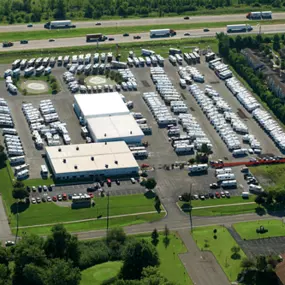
(149, 194)
(186, 207)
(260, 211)
(236, 256)
(22, 207)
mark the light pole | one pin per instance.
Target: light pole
(108, 207)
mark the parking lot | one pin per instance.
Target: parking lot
(160, 151)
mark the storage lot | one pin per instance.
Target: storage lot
(160, 150)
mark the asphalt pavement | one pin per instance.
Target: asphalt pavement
(81, 41)
(142, 22)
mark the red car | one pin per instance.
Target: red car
(217, 195)
(109, 182)
(91, 195)
(54, 198)
(64, 196)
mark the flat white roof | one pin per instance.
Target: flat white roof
(90, 157)
(112, 127)
(101, 104)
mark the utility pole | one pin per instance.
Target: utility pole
(108, 207)
(190, 209)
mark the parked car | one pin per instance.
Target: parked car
(50, 187)
(33, 200)
(38, 200)
(34, 189)
(211, 195)
(109, 182)
(54, 198)
(59, 197)
(214, 186)
(45, 188)
(40, 188)
(49, 199)
(118, 182)
(133, 180)
(91, 195)
(196, 197)
(227, 193)
(223, 194)
(44, 199)
(64, 196)
(217, 194)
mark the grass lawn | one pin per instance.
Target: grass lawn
(220, 247)
(96, 224)
(223, 210)
(270, 175)
(81, 32)
(160, 47)
(247, 230)
(101, 272)
(170, 265)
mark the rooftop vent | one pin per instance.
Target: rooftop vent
(105, 143)
(77, 148)
(59, 149)
(75, 166)
(105, 135)
(131, 132)
(92, 158)
(64, 160)
(116, 161)
(106, 165)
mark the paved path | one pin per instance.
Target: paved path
(224, 205)
(5, 232)
(201, 266)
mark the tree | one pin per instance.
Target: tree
(154, 237)
(60, 10)
(235, 250)
(205, 149)
(157, 203)
(166, 239)
(150, 183)
(259, 200)
(5, 275)
(247, 263)
(61, 272)
(61, 244)
(186, 197)
(36, 275)
(261, 263)
(115, 240)
(137, 255)
(20, 193)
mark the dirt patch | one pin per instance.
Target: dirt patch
(241, 114)
(35, 86)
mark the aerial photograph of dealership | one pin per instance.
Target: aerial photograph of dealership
(142, 143)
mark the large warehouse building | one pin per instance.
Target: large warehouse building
(94, 160)
(107, 117)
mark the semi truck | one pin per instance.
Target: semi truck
(162, 33)
(259, 15)
(63, 24)
(95, 38)
(239, 28)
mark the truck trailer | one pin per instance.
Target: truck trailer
(95, 38)
(162, 33)
(63, 24)
(239, 28)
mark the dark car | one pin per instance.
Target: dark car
(22, 42)
(206, 30)
(186, 18)
(49, 188)
(90, 189)
(118, 182)
(51, 40)
(28, 188)
(98, 24)
(214, 186)
(111, 39)
(211, 195)
(44, 199)
(137, 37)
(125, 35)
(206, 196)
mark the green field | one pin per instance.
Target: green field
(95, 224)
(110, 31)
(270, 175)
(101, 272)
(170, 265)
(225, 209)
(160, 47)
(247, 230)
(220, 247)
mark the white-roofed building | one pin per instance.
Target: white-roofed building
(107, 117)
(94, 160)
(99, 105)
(115, 128)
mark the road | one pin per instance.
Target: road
(81, 41)
(142, 22)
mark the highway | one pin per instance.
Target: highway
(143, 22)
(81, 41)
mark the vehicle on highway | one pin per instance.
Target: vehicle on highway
(162, 33)
(7, 44)
(259, 15)
(186, 18)
(30, 25)
(186, 34)
(125, 35)
(63, 24)
(98, 24)
(111, 39)
(206, 30)
(137, 37)
(239, 28)
(95, 38)
(22, 42)
(51, 40)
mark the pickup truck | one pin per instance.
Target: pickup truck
(7, 44)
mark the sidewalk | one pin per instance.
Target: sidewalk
(5, 232)
(201, 266)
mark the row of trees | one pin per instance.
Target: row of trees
(229, 48)
(41, 10)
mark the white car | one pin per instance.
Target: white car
(38, 200)
(223, 194)
(34, 189)
(45, 188)
(49, 199)
(227, 193)
(33, 201)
